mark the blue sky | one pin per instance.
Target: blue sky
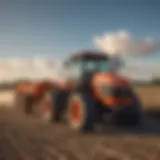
(55, 28)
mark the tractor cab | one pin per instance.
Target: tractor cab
(91, 62)
(86, 63)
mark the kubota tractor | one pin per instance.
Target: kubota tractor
(89, 92)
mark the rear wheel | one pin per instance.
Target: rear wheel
(81, 112)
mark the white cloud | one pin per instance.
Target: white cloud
(35, 69)
(122, 42)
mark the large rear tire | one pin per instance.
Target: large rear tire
(81, 112)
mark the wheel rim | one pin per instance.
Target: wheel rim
(76, 113)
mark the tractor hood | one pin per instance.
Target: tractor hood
(105, 88)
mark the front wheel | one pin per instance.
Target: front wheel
(81, 112)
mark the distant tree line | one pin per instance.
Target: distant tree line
(156, 81)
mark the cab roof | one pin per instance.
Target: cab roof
(88, 55)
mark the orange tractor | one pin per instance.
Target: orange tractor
(90, 92)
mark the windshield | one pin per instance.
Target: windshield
(80, 67)
(96, 65)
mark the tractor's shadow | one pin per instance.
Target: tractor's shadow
(150, 126)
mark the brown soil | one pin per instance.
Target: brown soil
(28, 138)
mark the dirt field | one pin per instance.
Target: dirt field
(28, 138)
(150, 96)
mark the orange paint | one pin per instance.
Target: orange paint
(75, 111)
(109, 80)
